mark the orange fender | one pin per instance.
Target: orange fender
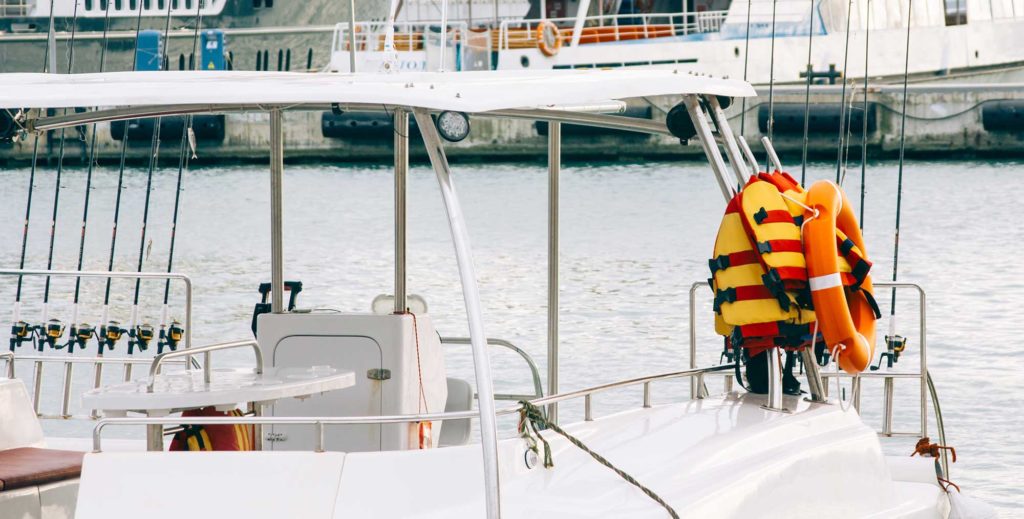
(845, 317)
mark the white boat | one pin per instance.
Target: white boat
(381, 430)
(762, 41)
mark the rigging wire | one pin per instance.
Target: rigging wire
(771, 87)
(31, 188)
(60, 170)
(807, 96)
(842, 104)
(899, 176)
(864, 117)
(746, 60)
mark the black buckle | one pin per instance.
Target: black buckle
(773, 282)
(846, 246)
(798, 220)
(764, 247)
(719, 263)
(760, 215)
(724, 296)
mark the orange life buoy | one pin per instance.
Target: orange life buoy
(549, 39)
(846, 316)
(228, 437)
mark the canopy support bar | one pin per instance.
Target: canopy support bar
(276, 212)
(732, 149)
(554, 168)
(474, 314)
(401, 177)
(707, 141)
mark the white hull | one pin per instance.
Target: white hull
(718, 457)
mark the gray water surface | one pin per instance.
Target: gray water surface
(634, 238)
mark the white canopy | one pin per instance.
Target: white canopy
(458, 91)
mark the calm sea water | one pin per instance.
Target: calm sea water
(634, 238)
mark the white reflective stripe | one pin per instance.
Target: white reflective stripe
(825, 282)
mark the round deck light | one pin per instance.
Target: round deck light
(453, 126)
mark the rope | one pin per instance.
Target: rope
(419, 368)
(864, 117)
(531, 418)
(842, 113)
(807, 96)
(899, 177)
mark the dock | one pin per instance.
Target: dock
(943, 120)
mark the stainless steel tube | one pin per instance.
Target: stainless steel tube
(474, 313)
(352, 36)
(732, 150)
(751, 160)
(66, 399)
(774, 380)
(887, 406)
(707, 141)
(815, 384)
(588, 414)
(554, 170)
(276, 212)
(401, 122)
(772, 156)
(693, 334)
(9, 356)
(158, 361)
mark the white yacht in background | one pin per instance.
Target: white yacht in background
(720, 38)
(355, 415)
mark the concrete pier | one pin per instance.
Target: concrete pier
(943, 121)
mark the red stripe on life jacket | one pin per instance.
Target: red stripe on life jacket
(792, 273)
(774, 216)
(765, 247)
(753, 292)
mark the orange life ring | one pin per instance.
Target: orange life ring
(846, 317)
(549, 39)
(227, 437)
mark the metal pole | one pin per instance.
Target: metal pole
(772, 156)
(352, 36)
(471, 297)
(401, 176)
(554, 169)
(693, 335)
(707, 141)
(732, 150)
(774, 381)
(748, 153)
(276, 223)
(814, 382)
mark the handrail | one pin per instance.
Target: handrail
(119, 275)
(154, 368)
(320, 421)
(538, 388)
(9, 355)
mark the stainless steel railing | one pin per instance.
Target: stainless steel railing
(319, 422)
(922, 375)
(538, 388)
(154, 367)
(9, 357)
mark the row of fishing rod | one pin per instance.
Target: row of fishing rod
(50, 332)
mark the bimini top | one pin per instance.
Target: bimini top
(458, 91)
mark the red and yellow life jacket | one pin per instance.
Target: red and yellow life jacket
(759, 275)
(234, 437)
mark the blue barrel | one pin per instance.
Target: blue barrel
(149, 51)
(213, 50)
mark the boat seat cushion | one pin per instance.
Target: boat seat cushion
(29, 466)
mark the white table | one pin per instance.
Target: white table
(176, 392)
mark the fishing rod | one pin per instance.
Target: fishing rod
(171, 334)
(140, 334)
(842, 104)
(771, 89)
(82, 332)
(22, 331)
(807, 96)
(111, 331)
(864, 115)
(51, 330)
(746, 60)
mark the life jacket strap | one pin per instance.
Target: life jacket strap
(765, 247)
(735, 259)
(774, 216)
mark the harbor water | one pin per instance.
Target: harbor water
(634, 238)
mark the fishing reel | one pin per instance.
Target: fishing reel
(170, 337)
(80, 336)
(21, 332)
(264, 307)
(895, 344)
(109, 335)
(49, 333)
(140, 336)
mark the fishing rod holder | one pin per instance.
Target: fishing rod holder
(111, 332)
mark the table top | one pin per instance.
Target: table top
(179, 391)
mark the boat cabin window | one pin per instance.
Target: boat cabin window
(118, 4)
(133, 4)
(956, 12)
(88, 5)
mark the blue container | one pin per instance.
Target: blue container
(213, 50)
(149, 51)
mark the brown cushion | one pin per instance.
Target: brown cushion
(28, 466)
